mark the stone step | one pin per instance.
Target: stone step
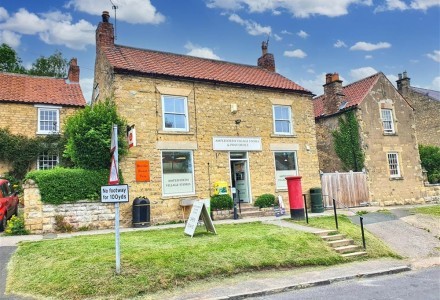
(250, 214)
(346, 249)
(326, 232)
(354, 254)
(340, 243)
(333, 237)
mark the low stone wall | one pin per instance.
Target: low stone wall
(432, 193)
(40, 217)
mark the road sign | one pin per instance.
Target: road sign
(114, 193)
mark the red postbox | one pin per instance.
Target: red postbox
(295, 197)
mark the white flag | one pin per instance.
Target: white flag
(114, 166)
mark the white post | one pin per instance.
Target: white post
(116, 158)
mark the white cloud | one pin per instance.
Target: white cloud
(368, 56)
(392, 5)
(303, 34)
(286, 32)
(364, 46)
(357, 74)
(195, 50)
(298, 53)
(276, 12)
(310, 71)
(3, 14)
(87, 88)
(436, 83)
(424, 4)
(74, 36)
(10, 38)
(435, 55)
(298, 8)
(277, 37)
(392, 78)
(252, 27)
(24, 22)
(315, 85)
(339, 44)
(130, 11)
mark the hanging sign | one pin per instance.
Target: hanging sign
(131, 136)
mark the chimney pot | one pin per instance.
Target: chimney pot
(267, 60)
(105, 16)
(333, 93)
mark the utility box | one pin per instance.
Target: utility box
(316, 200)
(221, 188)
(141, 212)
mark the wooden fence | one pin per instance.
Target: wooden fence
(349, 189)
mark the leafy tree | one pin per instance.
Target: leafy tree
(88, 135)
(430, 157)
(347, 144)
(9, 60)
(53, 66)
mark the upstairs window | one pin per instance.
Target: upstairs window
(393, 165)
(282, 119)
(387, 121)
(175, 113)
(48, 120)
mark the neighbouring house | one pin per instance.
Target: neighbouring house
(426, 104)
(35, 105)
(199, 121)
(387, 136)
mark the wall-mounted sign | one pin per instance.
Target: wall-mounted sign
(231, 143)
(142, 171)
(131, 136)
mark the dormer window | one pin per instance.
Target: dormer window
(48, 119)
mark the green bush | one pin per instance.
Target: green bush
(430, 157)
(221, 202)
(15, 226)
(265, 200)
(61, 185)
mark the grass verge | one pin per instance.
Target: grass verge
(427, 210)
(83, 267)
(374, 246)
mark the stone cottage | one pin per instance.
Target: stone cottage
(387, 136)
(199, 121)
(426, 104)
(36, 105)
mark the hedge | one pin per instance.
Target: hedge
(62, 185)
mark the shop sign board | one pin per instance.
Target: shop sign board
(199, 209)
(230, 143)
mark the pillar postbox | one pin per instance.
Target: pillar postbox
(295, 197)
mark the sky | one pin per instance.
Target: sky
(309, 38)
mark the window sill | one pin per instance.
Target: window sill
(390, 134)
(396, 178)
(179, 196)
(176, 132)
(47, 132)
(275, 135)
(281, 190)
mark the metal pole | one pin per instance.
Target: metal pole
(362, 229)
(336, 216)
(118, 250)
(305, 209)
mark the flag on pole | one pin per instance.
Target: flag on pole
(114, 166)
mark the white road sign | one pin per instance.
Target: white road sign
(114, 193)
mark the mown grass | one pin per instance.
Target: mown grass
(374, 246)
(427, 210)
(83, 267)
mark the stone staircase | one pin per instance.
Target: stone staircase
(250, 211)
(340, 243)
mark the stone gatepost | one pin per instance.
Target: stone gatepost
(33, 207)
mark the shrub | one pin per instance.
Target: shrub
(16, 226)
(265, 200)
(221, 202)
(61, 225)
(61, 185)
(430, 157)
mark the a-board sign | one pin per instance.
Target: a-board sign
(114, 193)
(142, 171)
(199, 209)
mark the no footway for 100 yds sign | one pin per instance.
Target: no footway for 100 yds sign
(114, 193)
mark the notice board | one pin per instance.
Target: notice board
(199, 209)
(142, 171)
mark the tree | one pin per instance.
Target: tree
(430, 157)
(88, 135)
(347, 144)
(9, 60)
(53, 66)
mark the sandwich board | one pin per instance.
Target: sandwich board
(199, 209)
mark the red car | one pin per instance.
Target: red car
(8, 202)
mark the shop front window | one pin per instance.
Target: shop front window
(177, 173)
(285, 165)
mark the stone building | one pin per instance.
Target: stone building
(35, 105)
(387, 136)
(426, 104)
(199, 121)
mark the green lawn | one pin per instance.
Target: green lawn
(428, 210)
(375, 247)
(83, 267)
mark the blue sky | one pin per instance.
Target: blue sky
(308, 38)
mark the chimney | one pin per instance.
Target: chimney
(105, 36)
(333, 93)
(266, 61)
(73, 73)
(403, 84)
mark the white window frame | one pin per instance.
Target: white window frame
(387, 120)
(289, 119)
(393, 164)
(192, 192)
(185, 113)
(44, 154)
(41, 108)
(293, 172)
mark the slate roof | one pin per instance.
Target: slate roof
(156, 63)
(39, 90)
(355, 93)
(430, 93)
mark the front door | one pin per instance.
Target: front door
(240, 176)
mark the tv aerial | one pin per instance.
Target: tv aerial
(114, 7)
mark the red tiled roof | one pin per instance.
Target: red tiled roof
(158, 63)
(43, 90)
(354, 94)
